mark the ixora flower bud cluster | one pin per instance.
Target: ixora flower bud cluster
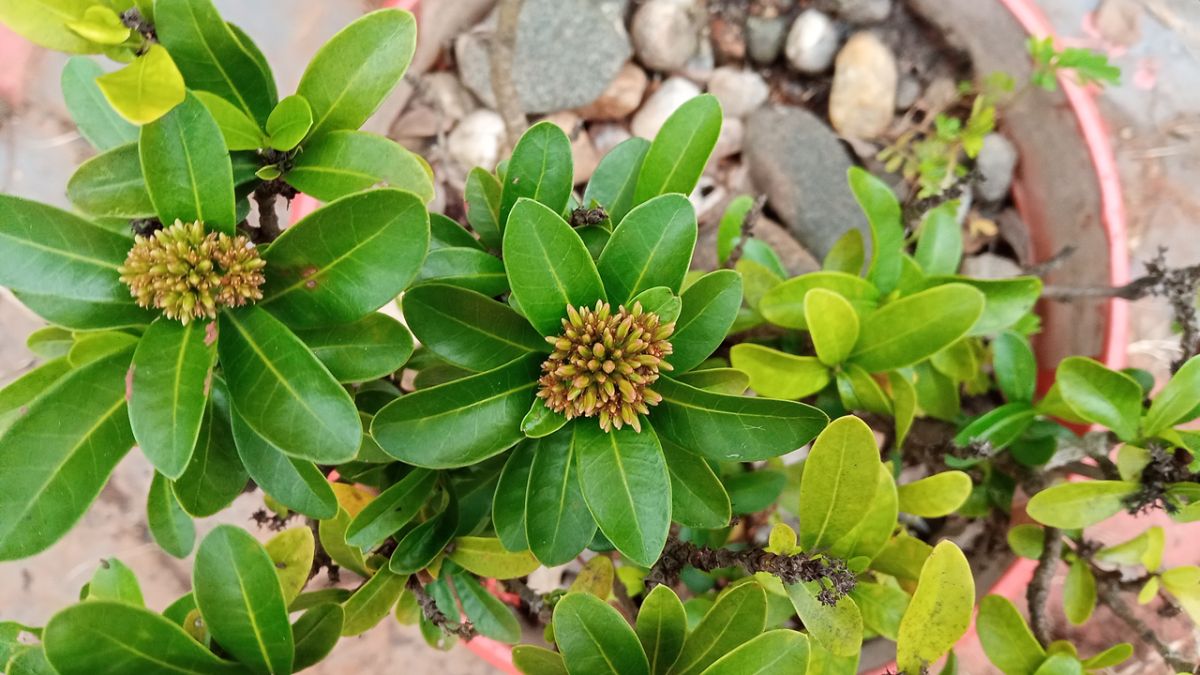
(604, 363)
(188, 274)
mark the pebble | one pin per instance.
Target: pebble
(699, 68)
(864, 11)
(990, 266)
(731, 138)
(765, 37)
(607, 135)
(739, 91)
(908, 90)
(674, 92)
(477, 139)
(446, 94)
(621, 98)
(996, 161)
(862, 99)
(812, 42)
(665, 34)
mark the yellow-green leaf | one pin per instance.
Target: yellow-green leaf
(841, 475)
(935, 496)
(940, 611)
(146, 89)
(487, 557)
(833, 324)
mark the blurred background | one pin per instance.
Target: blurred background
(616, 67)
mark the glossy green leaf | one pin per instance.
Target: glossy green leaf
(113, 580)
(625, 482)
(837, 629)
(732, 428)
(532, 660)
(613, 183)
(661, 628)
(372, 347)
(1006, 301)
(753, 491)
(847, 255)
(30, 660)
(468, 268)
(352, 73)
(775, 651)
(421, 545)
(871, 534)
(469, 329)
(729, 230)
(295, 483)
(1100, 395)
(732, 381)
(1109, 657)
(215, 476)
(594, 638)
(1027, 540)
(540, 170)
(460, 422)
(239, 130)
(445, 232)
(96, 637)
(282, 391)
(170, 526)
(738, 615)
(289, 123)
(660, 300)
(491, 618)
(940, 611)
(508, 504)
(541, 421)
(347, 259)
(779, 374)
(241, 600)
(1183, 582)
(558, 524)
(482, 197)
(651, 247)
(698, 499)
(1079, 592)
(841, 475)
(487, 557)
(49, 342)
(882, 209)
(80, 430)
(783, 305)
(391, 510)
(292, 552)
(917, 326)
(145, 90)
(111, 184)
(882, 607)
(372, 602)
(999, 426)
(18, 394)
(344, 162)
(1006, 638)
(89, 347)
(935, 496)
(1014, 366)
(1060, 664)
(832, 323)
(680, 150)
(1178, 398)
(709, 308)
(548, 266)
(940, 244)
(316, 633)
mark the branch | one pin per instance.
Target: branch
(1038, 591)
(1109, 595)
(504, 42)
(429, 608)
(748, 224)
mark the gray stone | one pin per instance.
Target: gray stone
(739, 91)
(908, 90)
(801, 166)
(864, 11)
(621, 98)
(990, 266)
(673, 93)
(477, 139)
(567, 52)
(607, 135)
(862, 99)
(765, 37)
(731, 139)
(812, 42)
(996, 161)
(665, 34)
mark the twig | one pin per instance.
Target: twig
(504, 42)
(1039, 587)
(747, 233)
(1109, 595)
(429, 608)
(535, 603)
(1052, 263)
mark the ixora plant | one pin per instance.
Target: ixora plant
(578, 398)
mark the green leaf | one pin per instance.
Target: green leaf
(838, 629)
(710, 306)
(469, 329)
(237, 128)
(882, 607)
(1178, 398)
(372, 347)
(548, 266)
(775, 651)
(113, 580)
(540, 170)
(341, 163)
(372, 602)
(1076, 505)
(940, 611)
(783, 305)
(1100, 395)
(1006, 301)
(594, 638)
(295, 483)
(902, 557)
(661, 628)
(215, 476)
(779, 374)
(652, 247)
(1027, 540)
(754, 491)
(146, 89)
(871, 534)
(332, 531)
(833, 324)
(351, 75)
(111, 184)
(167, 391)
(626, 485)
(882, 209)
(95, 118)
(733, 428)
(316, 633)
(679, 152)
(1014, 366)
(1184, 583)
(468, 268)
(30, 660)
(292, 552)
(541, 421)
(935, 496)
(49, 342)
(613, 183)
(391, 510)
(445, 232)
(80, 430)
(187, 168)
(558, 524)
(1000, 426)
(16, 397)
(721, 380)
(487, 557)
(282, 391)
(533, 660)
(729, 230)
(940, 244)
(915, 327)
(421, 545)
(847, 255)
(92, 346)
(45, 24)
(1079, 592)
(461, 422)
(1006, 638)
(738, 615)
(347, 259)
(1109, 657)
(698, 498)
(289, 123)
(482, 197)
(508, 504)
(840, 478)
(492, 618)
(170, 526)
(94, 637)
(1060, 664)
(240, 598)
